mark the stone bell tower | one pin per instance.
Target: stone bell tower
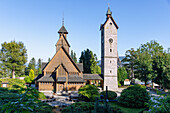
(109, 53)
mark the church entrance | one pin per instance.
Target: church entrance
(60, 86)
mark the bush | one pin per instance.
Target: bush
(119, 84)
(89, 91)
(134, 96)
(111, 94)
(160, 104)
(83, 106)
(27, 79)
(41, 96)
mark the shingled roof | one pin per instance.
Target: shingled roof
(47, 78)
(63, 30)
(92, 77)
(61, 79)
(75, 78)
(80, 66)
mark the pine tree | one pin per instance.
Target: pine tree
(13, 56)
(75, 58)
(89, 61)
(39, 66)
(31, 65)
(49, 59)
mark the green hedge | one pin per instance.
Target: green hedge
(89, 92)
(134, 96)
(111, 94)
(88, 107)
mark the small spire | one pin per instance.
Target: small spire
(63, 19)
(108, 11)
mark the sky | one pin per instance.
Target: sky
(36, 24)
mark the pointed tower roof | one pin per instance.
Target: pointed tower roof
(63, 30)
(109, 15)
(108, 11)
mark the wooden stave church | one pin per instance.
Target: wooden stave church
(62, 73)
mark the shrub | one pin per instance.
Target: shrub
(134, 96)
(111, 94)
(161, 105)
(89, 107)
(84, 106)
(41, 95)
(89, 91)
(27, 79)
(119, 84)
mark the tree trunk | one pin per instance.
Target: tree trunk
(152, 84)
(145, 80)
(13, 73)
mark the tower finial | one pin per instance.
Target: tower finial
(109, 13)
(63, 19)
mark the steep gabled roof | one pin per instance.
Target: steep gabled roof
(80, 66)
(64, 39)
(67, 56)
(107, 20)
(71, 59)
(63, 30)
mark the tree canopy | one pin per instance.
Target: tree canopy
(89, 61)
(122, 75)
(149, 62)
(13, 56)
(73, 56)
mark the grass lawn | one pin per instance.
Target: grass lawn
(126, 109)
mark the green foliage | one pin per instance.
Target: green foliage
(122, 75)
(130, 57)
(41, 96)
(13, 57)
(159, 104)
(161, 69)
(39, 66)
(111, 94)
(31, 75)
(134, 96)
(84, 107)
(73, 56)
(89, 61)
(22, 103)
(126, 109)
(146, 53)
(89, 91)
(119, 84)
(144, 67)
(27, 79)
(15, 84)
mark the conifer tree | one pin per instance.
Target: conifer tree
(13, 56)
(89, 61)
(39, 66)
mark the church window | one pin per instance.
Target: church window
(110, 50)
(110, 23)
(110, 40)
(110, 61)
(110, 71)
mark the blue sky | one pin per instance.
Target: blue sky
(36, 23)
